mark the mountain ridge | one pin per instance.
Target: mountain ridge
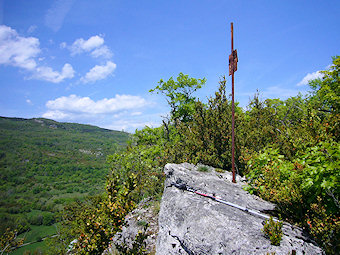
(54, 121)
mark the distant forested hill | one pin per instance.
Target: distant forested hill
(44, 164)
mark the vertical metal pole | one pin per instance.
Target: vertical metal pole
(232, 111)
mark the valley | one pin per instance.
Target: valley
(45, 165)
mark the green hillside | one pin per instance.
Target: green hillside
(45, 164)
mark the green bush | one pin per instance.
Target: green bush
(36, 219)
(273, 230)
(206, 137)
(48, 219)
(305, 190)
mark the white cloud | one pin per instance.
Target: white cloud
(56, 115)
(94, 45)
(81, 45)
(279, 92)
(22, 52)
(121, 112)
(85, 105)
(309, 77)
(99, 72)
(55, 16)
(28, 101)
(16, 50)
(130, 125)
(48, 74)
(269, 92)
(102, 51)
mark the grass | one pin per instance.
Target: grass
(203, 169)
(38, 232)
(35, 234)
(42, 246)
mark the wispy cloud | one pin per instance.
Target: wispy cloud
(309, 77)
(136, 113)
(31, 29)
(81, 45)
(279, 92)
(130, 125)
(102, 51)
(55, 16)
(99, 72)
(94, 45)
(270, 92)
(48, 74)
(23, 52)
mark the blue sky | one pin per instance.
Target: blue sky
(94, 62)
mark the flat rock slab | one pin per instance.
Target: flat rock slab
(192, 224)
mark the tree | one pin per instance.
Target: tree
(325, 98)
(326, 90)
(9, 240)
(179, 95)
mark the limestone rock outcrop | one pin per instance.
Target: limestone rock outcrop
(193, 224)
(142, 219)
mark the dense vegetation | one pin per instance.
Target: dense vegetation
(289, 151)
(45, 165)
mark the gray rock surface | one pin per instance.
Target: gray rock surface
(192, 224)
(145, 213)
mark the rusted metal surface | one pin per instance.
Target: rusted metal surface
(233, 62)
(232, 69)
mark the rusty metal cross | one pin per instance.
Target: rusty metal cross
(232, 69)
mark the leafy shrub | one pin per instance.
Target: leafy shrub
(48, 219)
(306, 190)
(276, 179)
(36, 219)
(9, 240)
(273, 230)
(203, 169)
(69, 190)
(93, 222)
(22, 225)
(324, 227)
